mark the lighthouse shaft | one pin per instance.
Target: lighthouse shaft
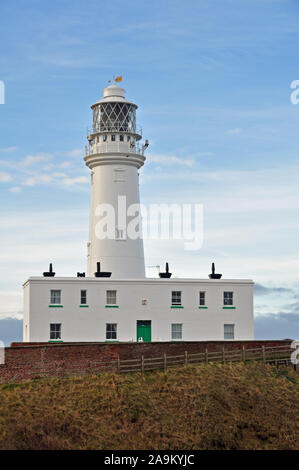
(114, 156)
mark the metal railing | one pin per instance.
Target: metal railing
(110, 147)
(115, 127)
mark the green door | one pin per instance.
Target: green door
(144, 331)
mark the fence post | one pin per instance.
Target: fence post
(165, 361)
(118, 363)
(223, 355)
(264, 353)
(243, 354)
(186, 358)
(142, 364)
(207, 356)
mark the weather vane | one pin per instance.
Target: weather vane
(117, 79)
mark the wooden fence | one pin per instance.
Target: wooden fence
(58, 368)
(277, 355)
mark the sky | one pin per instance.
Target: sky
(212, 80)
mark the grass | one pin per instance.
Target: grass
(230, 406)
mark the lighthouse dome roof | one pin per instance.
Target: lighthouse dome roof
(114, 90)
(113, 93)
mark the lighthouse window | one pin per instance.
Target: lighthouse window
(227, 298)
(121, 138)
(104, 138)
(202, 298)
(119, 234)
(111, 331)
(119, 175)
(111, 297)
(176, 297)
(176, 331)
(113, 138)
(229, 331)
(55, 330)
(55, 297)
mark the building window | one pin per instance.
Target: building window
(176, 330)
(229, 331)
(227, 298)
(121, 138)
(120, 234)
(128, 138)
(202, 298)
(55, 330)
(83, 297)
(111, 297)
(55, 297)
(176, 297)
(113, 138)
(111, 331)
(104, 138)
(119, 175)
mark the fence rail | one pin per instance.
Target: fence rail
(59, 368)
(276, 355)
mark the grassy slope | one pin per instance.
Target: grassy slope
(239, 406)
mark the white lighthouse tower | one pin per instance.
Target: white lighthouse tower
(115, 301)
(114, 158)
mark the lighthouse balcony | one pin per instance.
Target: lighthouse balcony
(114, 147)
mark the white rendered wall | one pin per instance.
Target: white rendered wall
(124, 258)
(89, 323)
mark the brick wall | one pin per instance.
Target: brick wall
(33, 360)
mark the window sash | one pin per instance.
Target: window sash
(176, 330)
(229, 331)
(55, 330)
(111, 297)
(176, 297)
(55, 297)
(111, 330)
(228, 298)
(202, 298)
(83, 297)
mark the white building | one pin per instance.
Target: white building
(115, 301)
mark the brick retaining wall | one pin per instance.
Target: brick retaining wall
(32, 360)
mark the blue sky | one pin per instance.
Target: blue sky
(212, 81)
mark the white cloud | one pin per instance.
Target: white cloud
(75, 153)
(169, 160)
(204, 154)
(235, 131)
(65, 164)
(8, 149)
(76, 180)
(5, 177)
(59, 175)
(15, 189)
(29, 182)
(32, 159)
(11, 304)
